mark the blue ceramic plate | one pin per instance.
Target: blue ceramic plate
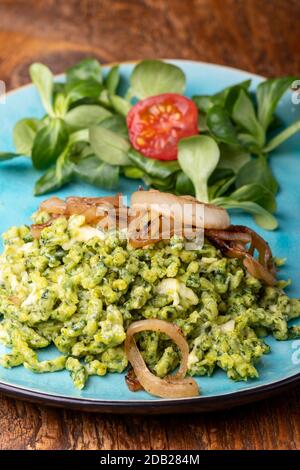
(278, 370)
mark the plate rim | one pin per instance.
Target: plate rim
(195, 404)
(166, 406)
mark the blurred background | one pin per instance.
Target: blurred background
(261, 36)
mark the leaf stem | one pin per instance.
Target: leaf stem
(282, 136)
(202, 193)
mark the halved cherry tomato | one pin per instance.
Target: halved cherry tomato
(156, 124)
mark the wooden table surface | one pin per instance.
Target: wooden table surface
(257, 35)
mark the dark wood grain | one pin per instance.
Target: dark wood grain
(272, 424)
(256, 35)
(259, 36)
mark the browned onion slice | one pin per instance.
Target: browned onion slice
(144, 229)
(112, 201)
(15, 300)
(148, 227)
(232, 243)
(36, 229)
(132, 382)
(230, 235)
(172, 386)
(258, 271)
(78, 206)
(153, 211)
(54, 205)
(182, 208)
(93, 208)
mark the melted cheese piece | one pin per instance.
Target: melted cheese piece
(31, 299)
(177, 290)
(86, 232)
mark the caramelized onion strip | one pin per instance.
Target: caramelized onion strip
(233, 243)
(176, 386)
(54, 205)
(36, 229)
(186, 210)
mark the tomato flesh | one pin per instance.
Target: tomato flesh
(156, 124)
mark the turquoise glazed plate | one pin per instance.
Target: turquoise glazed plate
(278, 370)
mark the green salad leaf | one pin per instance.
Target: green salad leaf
(56, 176)
(90, 169)
(257, 171)
(97, 173)
(184, 184)
(61, 104)
(87, 69)
(256, 193)
(166, 184)
(116, 124)
(224, 98)
(85, 116)
(220, 126)
(153, 77)
(262, 217)
(112, 80)
(24, 134)
(49, 143)
(77, 91)
(84, 136)
(221, 186)
(198, 157)
(42, 78)
(243, 114)
(268, 94)
(204, 102)
(109, 146)
(233, 157)
(133, 172)
(120, 105)
(229, 95)
(282, 136)
(155, 169)
(79, 136)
